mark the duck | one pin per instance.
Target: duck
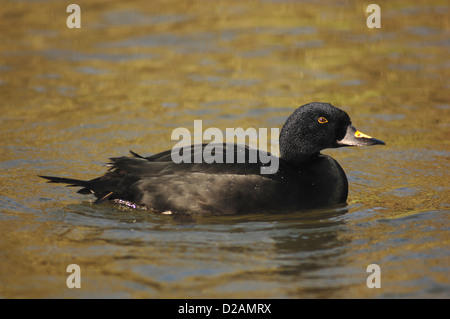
(305, 178)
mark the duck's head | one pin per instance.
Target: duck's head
(317, 126)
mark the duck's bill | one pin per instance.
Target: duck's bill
(353, 137)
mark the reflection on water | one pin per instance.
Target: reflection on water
(135, 71)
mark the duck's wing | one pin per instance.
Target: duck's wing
(126, 175)
(202, 158)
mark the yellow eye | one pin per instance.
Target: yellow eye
(322, 120)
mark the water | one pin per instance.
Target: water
(135, 71)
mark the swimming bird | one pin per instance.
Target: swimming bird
(305, 178)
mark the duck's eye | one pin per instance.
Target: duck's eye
(322, 120)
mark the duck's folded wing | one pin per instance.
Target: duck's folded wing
(206, 158)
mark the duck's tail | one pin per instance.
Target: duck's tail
(71, 183)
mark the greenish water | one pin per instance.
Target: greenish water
(134, 71)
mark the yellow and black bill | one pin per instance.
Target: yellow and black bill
(353, 137)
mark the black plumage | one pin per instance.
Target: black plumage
(305, 178)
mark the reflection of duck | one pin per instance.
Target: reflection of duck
(305, 178)
(311, 251)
